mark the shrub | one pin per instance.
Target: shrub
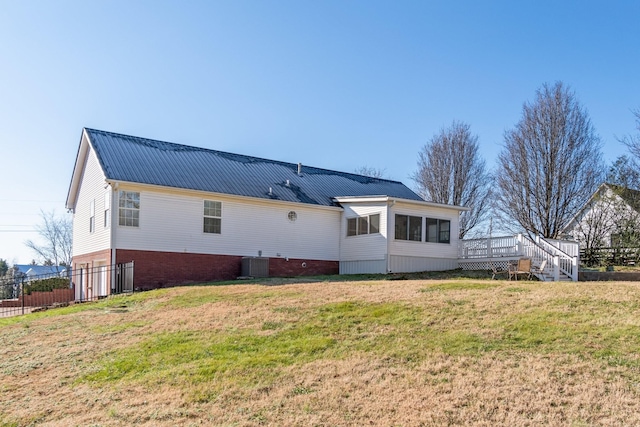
(46, 285)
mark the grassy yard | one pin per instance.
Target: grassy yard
(464, 351)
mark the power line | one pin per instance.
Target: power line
(31, 201)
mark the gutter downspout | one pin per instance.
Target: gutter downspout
(112, 190)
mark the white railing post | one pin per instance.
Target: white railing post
(519, 244)
(489, 251)
(556, 268)
(574, 269)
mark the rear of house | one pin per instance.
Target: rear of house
(385, 234)
(186, 214)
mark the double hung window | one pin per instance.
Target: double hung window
(129, 208)
(212, 217)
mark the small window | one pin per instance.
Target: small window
(352, 226)
(369, 224)
(92, 216)
(432, 230)
(212, 217)
(107, 209)
(292, 216)
(438, 230)
(363, 225)
(129, 208)
(374, 223)
(445, 231)
(408, 228)
(415, 228)
(402, 227)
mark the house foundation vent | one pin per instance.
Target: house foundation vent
(255, 266)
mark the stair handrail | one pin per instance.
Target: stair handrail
(537, 252)
(568, 264)
(555, 248)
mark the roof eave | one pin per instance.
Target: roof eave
(72, 194)
(584, 207)
(373, 199)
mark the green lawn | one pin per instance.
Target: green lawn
(462, 351)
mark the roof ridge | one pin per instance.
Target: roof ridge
(250, 159)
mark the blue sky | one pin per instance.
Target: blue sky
(333, 84)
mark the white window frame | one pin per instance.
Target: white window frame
(92, 216)
(439, 231)
(362, 222)
(407, 237)
(212, 215)
(129, 208)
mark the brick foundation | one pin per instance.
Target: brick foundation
(280, 267)
(89, 262)
(90, 258)
(161, 269)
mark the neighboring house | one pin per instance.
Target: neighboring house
(31, 272)
(609, 219)
(187, 214)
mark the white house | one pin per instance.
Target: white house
(187, 214)
(608, 219)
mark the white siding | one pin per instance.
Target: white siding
(91, 189)
(365, 247)
(172, 221)
(424, 249)
(409, 264)
(363, 267)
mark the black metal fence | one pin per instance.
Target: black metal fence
(22, 294)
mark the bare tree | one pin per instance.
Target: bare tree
(633, 141)
(550, 164)
(624, 172)
(370, 171)
(450, 170)
(57, 234)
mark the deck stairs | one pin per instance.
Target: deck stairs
(562, 256)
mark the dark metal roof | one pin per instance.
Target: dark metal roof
(146, 161)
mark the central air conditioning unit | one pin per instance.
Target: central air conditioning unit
(255, 266)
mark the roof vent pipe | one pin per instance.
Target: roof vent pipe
(270, 192)
(288, 183)
(300, 169)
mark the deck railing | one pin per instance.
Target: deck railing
(492, 247)
(561, 256)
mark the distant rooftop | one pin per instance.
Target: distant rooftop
(39, 270)
(139, 160)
